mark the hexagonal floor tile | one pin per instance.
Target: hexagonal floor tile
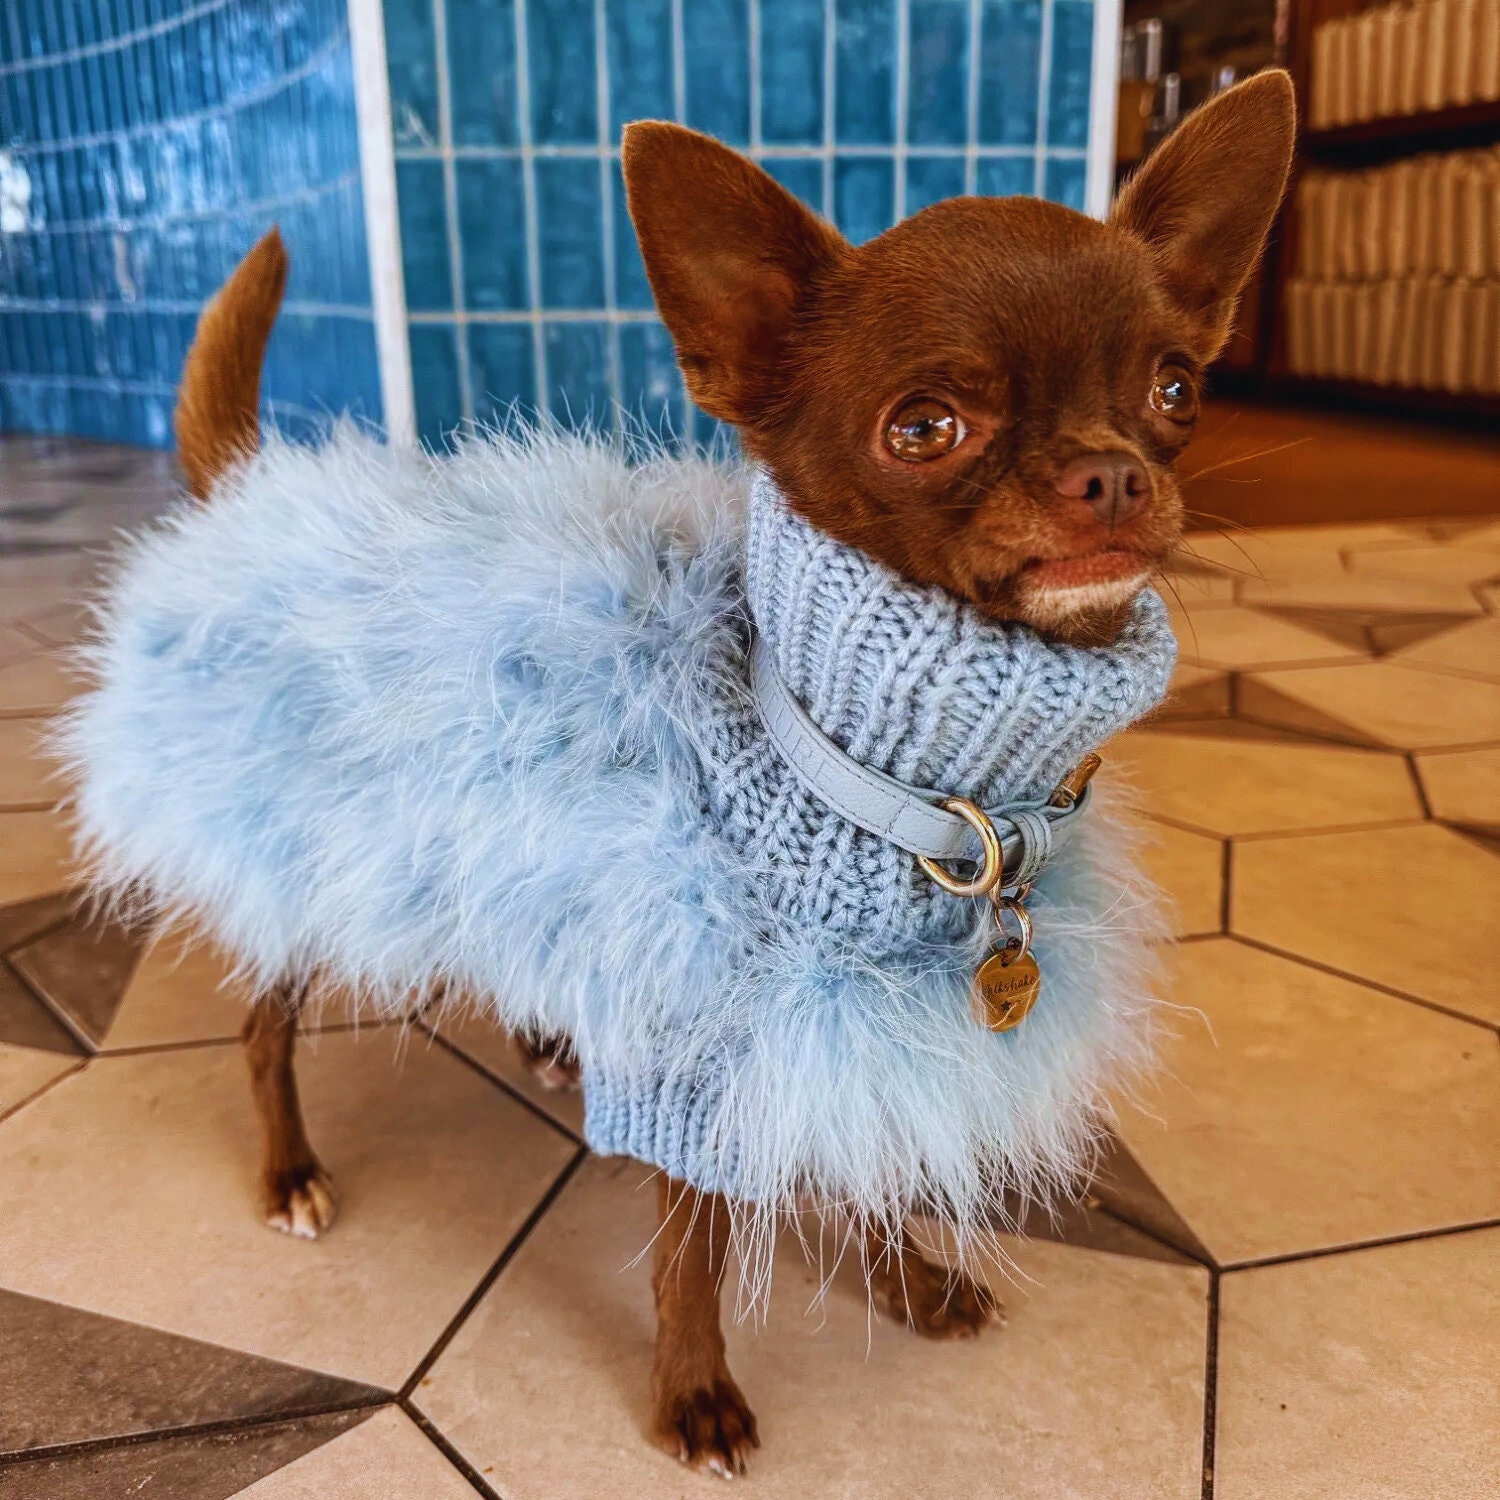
(1307, 585)
(1190, 868)
(1413, 908)
(27, 774)
(1449, 564)
(1293, 551)
(1365, 1377)
(385, 1456)
(490, 1046)
(128, 1189)
(1237, 637)
(1474, 647)
(1195, 692)
(1232, 783)
(38, 855)
(38, 683)
(182, 991)
(1463, 786)
(25, 1070)
(1380, 703)
(1340, 537)
(210, 1465)
(1093, 1388)
(1303, 1111)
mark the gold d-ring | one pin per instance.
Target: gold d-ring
(994, 855)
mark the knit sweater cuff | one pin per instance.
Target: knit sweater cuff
(664, 1123)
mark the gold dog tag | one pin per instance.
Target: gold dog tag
(1006, 988)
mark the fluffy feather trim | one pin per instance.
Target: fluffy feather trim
(410, 721)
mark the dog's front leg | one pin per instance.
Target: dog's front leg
(296, 1193)
(699, 1413)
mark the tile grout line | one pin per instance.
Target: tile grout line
(1355, 1247)
(267, 1422)
(1324, 830)
(481, 1290)
(430, 1030)
(1211, 1386)
(282, 83)
(58, 1014)
(201, 215)
(772, 152)
(77, 1065)
(1124, 1216)
(122, 42)
(444, 1446)
(1370, 984)
(518, 316)
(1271, 835)
(306, 1034)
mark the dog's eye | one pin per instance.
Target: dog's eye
(1173, 395)
(924, 429)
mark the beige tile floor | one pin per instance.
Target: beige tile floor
(1284, 1285)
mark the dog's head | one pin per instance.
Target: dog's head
(990, 395)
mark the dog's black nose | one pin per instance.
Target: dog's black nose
(1111, 484)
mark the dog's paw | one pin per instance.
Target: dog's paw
(937, 1302)
(710, 1427)
(552, 1062)
(299, 1202)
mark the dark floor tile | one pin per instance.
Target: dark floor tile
(1343, 627)
(82, 968)
(1124, 1190)
(204, 1466)
(26, 1022)
(1378, 630)
(1211, 696)
(28, 919)
(1410, 630)
(1088, 1225)
(1486, 835)
(1259, 701)
(70, 1376)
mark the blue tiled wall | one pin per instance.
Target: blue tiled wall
(522, 278)
(147, 144)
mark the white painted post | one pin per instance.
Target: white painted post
(1104, 94)
(377, 170)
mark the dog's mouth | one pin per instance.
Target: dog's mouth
(1115, 572)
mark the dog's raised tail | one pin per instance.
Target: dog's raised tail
(218, 401)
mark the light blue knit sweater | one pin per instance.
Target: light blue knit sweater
(907, 680)
(485, 720)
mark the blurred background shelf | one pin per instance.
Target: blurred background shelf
(1438, 63)
(1361, 395)
(1370, 141)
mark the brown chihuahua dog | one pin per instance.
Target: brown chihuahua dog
(988, 397)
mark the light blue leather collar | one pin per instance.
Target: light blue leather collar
(909, 817)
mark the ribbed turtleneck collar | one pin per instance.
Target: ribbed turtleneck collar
(916, 683)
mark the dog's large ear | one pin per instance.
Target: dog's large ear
(1205, 199)
(731, 256)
